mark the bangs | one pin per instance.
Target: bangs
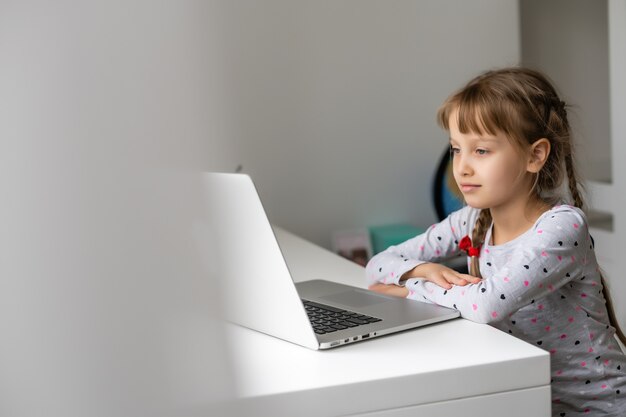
(480, 111)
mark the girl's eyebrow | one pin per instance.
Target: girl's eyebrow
(480, 139)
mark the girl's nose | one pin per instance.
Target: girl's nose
(462, 166)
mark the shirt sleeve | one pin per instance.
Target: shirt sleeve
(439, 242)
(550, 256)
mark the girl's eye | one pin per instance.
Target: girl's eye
(454, 150)
(482, 151)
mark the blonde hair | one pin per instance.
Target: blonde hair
(524, 105)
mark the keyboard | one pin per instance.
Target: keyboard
(327, 319)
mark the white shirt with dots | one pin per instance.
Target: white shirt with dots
(543, 287)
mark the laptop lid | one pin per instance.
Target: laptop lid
(249, 259)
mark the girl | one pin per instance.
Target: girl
(533, 270)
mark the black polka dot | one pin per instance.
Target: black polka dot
(619, 367)
(560, 243)
(532, 301)
(545, 270)
(562, 297)
(577, 342)
(575, 243)
(567, 274)
(380, 269)
(510, 331)
(456, 242)
(540, 342)
(526, 266)
(454, 305)
(598, 357)
(488, 263)
(464, 223)
(562, 414)
(583, 277)
(587, 382)
(483, 289)
(438, 237)
(513, 321)
(502, 297)
(405, 260)
(617, 392)
(445, 292)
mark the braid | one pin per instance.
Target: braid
(573, 181)
(478, 236)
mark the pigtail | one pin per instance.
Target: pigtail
(573, 182)
(478, 237)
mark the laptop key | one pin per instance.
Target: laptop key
(338, 326)
(357, 321)
(348, 324)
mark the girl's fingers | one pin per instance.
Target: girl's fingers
(454, 278)
(470, 278)
(442, 281)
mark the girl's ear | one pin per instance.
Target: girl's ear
(538, 155)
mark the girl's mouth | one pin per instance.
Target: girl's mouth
(469, 187)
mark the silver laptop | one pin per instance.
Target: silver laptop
(259, 292)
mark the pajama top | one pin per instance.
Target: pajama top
(542, 287)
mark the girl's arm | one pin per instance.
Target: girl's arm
(551, 256)
(439, 242)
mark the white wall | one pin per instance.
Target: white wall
(105, 305)
(332, 104)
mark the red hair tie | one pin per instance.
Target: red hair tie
(466, 245)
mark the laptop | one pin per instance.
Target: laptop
(258, 290)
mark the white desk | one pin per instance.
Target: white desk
(447, 369)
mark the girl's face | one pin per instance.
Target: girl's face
(489, 170)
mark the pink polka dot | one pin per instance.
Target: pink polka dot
(583, 295)
(486, 250)
(422, 248)
(590, 336)
(583, 364)
(543, 253)
(438, 252)
(550, 287)
(474, 306)
(411, 293)
(590, 350)
(552, 351)
(606, 361)
(547, 328)
(559, 257)
(540, 285)
(575, 225)
(540, 306)
(526, 283)
(506, 279)
(494, 314)
(571, 319)
(534, 319)
(563, 336)
(539, 231)
(452, 228)
(559, 372)
(573, 258)
(603, 386)
(593, 284)
(392, 275)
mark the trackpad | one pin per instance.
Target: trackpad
(355, 298)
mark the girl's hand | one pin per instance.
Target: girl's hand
(390, 289)
(441, 275)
